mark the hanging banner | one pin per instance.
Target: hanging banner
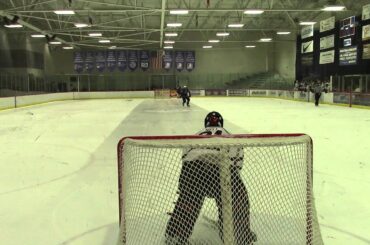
(144, 60)
(179, 60)
(366, 12)
(78, 60)
(122, 60)
(347, 27)
(347, 42)
(327, 57)
(307, 47)
(366, 52)
(167, 60)
(366, 32)
(307, 31)
(111, 60)
(327, 42)
(307, 60)
(190, 60)
(348, 56)
(100, 60)
(327, 24)
(89, 61)
(132, 59)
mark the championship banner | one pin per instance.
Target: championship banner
(327, 42)
(366, 12)
(327, 24)
(100, 61)
(307, 60)
(122, 60)
(366, 52)
(347, 27)
(327, 57)
(348, 56)
(132, 60)
(167, 60)
(190, 60)
(366, 32)
(144, 60)
(179, 60)
(307, 31)
(111, 60)
(89, 61)
(78, 60)
(307, 47)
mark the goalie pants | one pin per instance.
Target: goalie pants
(197, 181)
(185, 99)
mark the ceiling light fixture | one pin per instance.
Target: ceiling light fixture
(168, 47)
(55, 42)
(307, 23)
(254, 11)
(13, 26)
(67, 47)
(267, 39)
(169, 42)
(222, 34)
(171, 34)
(64, 12)
(95, 34)
(37, 35)
(334, 8)
(250, 46)
(104, 41)
(179, 11)
(207, 46)
(236, 25)
(283, 32)
(112, 47)
(213, 41)
(81, 25)
(174, 24)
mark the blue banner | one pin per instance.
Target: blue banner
(111, 60)
(122, 60)
(190, 60)
(78, 60)
(100, 61)
(89, 61)
(167, 60)
(132, 59)
(179, 60)
(144, 60)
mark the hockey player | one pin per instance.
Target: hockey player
(200, 178)
(317, 90)
(185, 95)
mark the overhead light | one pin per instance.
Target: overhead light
(13, 26)
(168, 47)
(37, 35)
(222, 34)
(81, 25)
(235, 25)
(307, 23)
(104, 41)
(334, 8)
(64, 12)
(169, 42)
(171, 34)
(95, 34)
(265, 39)
(55, 42)
(67, 47)
(253, 11)
(112, 47)
(174, 24)
(283, 32)
(207, 46)
(213, 41)
(250, 46)
(179, 11)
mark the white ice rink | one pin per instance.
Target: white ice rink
(58, 170)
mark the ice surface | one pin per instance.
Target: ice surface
(58, 174)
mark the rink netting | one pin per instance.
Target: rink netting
(243, 189)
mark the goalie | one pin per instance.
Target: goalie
(200, 178)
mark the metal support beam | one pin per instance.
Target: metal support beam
(162, 23)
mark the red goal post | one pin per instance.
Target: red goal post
(257, 148)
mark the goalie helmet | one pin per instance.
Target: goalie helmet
(213, 119)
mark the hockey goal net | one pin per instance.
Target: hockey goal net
(235, 189)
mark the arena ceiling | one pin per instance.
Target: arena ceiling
(142, 24)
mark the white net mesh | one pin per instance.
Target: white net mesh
(224, 190)
(162, 93)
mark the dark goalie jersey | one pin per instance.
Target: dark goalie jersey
(212, 155)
